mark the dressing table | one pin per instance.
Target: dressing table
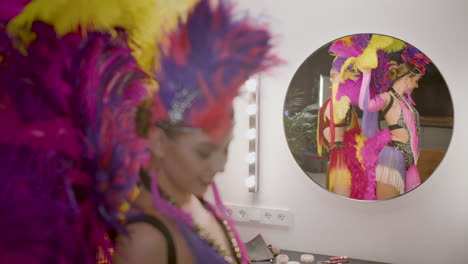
(296, 256)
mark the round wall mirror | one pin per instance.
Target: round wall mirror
(368, 117)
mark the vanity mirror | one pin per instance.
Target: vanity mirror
(368, 117)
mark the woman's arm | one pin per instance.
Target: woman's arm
(378, 103)
(143, 245)
(364, 91)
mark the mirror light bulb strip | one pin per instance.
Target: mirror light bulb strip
(252, 110)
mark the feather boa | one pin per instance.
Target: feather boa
(362, 160)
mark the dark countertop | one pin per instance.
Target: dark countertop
(296, 256)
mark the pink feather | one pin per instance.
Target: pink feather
(410, 122)
(358, 178)
(370, 156)
(412, 178)
(342, 50)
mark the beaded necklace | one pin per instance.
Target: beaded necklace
(408, 106)
(231, 255)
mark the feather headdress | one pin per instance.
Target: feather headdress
(69, 145)
(413, 56)
(202, 67)
(144, 21)
(345, 91)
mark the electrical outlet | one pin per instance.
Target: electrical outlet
(266, 216)
(279, 217)
(283, 218)
(238, 213)
(242, 213)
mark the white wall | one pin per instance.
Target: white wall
(427, 225)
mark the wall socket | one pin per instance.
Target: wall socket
(238, 213)
(280, 217)
(267, 216)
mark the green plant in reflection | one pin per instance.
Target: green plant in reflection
(301, 132)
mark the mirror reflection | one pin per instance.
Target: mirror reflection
(368, 117)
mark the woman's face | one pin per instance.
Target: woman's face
(191, 160)
(412, 82)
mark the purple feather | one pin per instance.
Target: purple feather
(337, 63)
(370, 156)
(208, 58)
(71, 103)
(380, 81)
(11, 8)
(412, 55)
(359, 42)
(32, 198)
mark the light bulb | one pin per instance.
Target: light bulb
(250, 181)
(251, 133)
(251, 109)
(251, 85)
(250, 158)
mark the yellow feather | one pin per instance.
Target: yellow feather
(319, 146)
(145, 21)
(344, 68)
(348, 41)
(386, 43)
(331, 179)
(360, 139)
(340, 107)
(368, 59)
(124, 207)
(354, 119)
(395, 65)
(380, 41)
(134, 194)
(396, 45)
(339, 176)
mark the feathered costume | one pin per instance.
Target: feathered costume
(397, 165)
(342, 113)
(364, 145)
(144, 21)
(202, 67)
(70, 121)
(364, 63)
(72, 74)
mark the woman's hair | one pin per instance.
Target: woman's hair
(402, 70)
(143, 122)
(142, 119)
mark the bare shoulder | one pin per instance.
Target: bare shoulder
(143, 244)
(386, 96)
